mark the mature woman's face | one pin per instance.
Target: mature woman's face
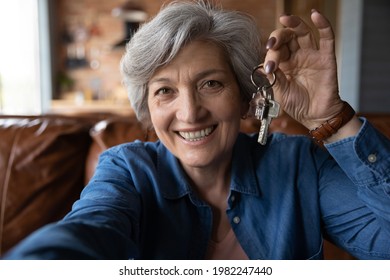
(195, 105)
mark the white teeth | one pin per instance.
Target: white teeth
(196, 135)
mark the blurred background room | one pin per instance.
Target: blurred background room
(63, 56)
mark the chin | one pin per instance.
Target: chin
(195, 162)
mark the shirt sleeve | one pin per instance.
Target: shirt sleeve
(358, 218)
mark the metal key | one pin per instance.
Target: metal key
(263, 106)
(273, 112)
(258, 107)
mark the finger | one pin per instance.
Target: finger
(280, 87)
(280, 45)
(325, 30)
(274, 57)
(281, 37)
(303, 32)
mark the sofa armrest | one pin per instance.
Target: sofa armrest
(42, 163)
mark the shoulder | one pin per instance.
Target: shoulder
(130, 162)
(136, 152)
(134, 147)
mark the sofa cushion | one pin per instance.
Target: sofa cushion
(42, 162)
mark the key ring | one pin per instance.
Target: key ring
(264, 87)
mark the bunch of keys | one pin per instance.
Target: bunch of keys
(263, 106)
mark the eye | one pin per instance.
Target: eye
(163, 91)
(212, 84)
(211, 87)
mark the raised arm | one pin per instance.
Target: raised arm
(306, 71)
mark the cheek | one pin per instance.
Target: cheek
(159, 116)
(152, 113)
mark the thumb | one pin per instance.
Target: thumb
(281, 85)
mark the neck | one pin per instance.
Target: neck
(211, 184)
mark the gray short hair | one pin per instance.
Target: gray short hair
(157, 42)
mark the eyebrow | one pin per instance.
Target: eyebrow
(197, 76)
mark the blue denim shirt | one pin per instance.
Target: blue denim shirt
(284, 198)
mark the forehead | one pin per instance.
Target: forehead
(197, 56)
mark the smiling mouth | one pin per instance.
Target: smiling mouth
(196, 135)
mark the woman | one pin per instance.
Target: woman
(205, 190)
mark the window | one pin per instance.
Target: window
(19, 58)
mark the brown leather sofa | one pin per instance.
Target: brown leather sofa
(45, 162)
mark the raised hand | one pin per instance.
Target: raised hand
(306, 70)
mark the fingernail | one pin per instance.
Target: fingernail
(270, 43)
(314, 11)
(270, 67)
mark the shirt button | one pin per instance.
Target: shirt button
(236, 219)
(372, 158)
(232, 198)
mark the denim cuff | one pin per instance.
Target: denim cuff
(365, 158)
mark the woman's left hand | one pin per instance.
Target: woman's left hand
(305, 68)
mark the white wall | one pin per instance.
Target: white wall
(349, 50)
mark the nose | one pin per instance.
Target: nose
(190, 107)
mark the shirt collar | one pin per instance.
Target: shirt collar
(172, 178)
